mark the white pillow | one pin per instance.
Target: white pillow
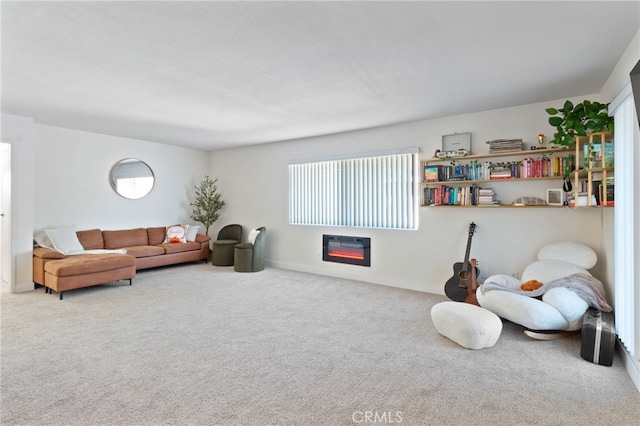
(568, 303)
(571, 252)
(176, 234)
(505, 281)
(527, 311)
(65, 240)
(253, 234)
(546, 271)
(192, 231)
(43, 240)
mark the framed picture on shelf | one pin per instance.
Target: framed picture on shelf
(555, 197)
(432, 173)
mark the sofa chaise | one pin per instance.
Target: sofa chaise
(112, 255)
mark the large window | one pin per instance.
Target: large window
(376, 191)
(627, 223)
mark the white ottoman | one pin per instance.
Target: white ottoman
(468, 325)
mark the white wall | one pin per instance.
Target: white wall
(60, 177)
(254, 181)
(72, 181)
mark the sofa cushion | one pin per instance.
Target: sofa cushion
(88, 264)
(145, 251)
(156, 235)
(125, 238)
(180, 248)
(45, 253)
(91, 239)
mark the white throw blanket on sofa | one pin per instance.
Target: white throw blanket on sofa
(101, 251)
(588, 288)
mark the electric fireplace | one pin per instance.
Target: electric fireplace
(345, 249)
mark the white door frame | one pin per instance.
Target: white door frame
(6, 255)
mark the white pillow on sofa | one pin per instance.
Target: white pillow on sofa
(43, 240)
(192, 231)
(65, 240)
(253, 234)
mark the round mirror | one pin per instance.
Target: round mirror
(131, 178)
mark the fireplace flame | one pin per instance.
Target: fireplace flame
(346, 255)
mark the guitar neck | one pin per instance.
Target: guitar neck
(465, 265)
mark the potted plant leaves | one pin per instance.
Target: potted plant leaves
(578, 120)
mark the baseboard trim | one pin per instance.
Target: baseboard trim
(632, 367)
(350, 272)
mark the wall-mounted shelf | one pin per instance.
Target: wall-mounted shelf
(550, 164)
(500, 154)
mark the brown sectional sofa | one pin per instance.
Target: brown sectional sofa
(145, 248)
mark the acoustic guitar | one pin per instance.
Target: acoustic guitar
(456, 287)
(472, 285)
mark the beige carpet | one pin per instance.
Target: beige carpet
(203, 345)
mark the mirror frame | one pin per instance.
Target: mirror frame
(114, 184)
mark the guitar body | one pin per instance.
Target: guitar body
(456, 287)
(472, 286)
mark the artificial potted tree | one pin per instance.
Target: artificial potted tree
(207, 204)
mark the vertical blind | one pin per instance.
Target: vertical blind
(627, 281)
(372, 192)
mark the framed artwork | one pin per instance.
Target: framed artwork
(555, 197)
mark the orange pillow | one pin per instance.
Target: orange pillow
(531, 285)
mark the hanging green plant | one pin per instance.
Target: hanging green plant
(578, 120)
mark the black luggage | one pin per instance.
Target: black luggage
(598, 337)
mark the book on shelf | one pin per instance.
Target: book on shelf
(470, 195)
(505, 145)
(502, 173)
(446, 195)
(487, 197)
(600, 194)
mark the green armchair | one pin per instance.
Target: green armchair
(223, 252)
(249, 256)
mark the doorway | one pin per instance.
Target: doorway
(6, 263)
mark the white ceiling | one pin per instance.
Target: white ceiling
(214, 75)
